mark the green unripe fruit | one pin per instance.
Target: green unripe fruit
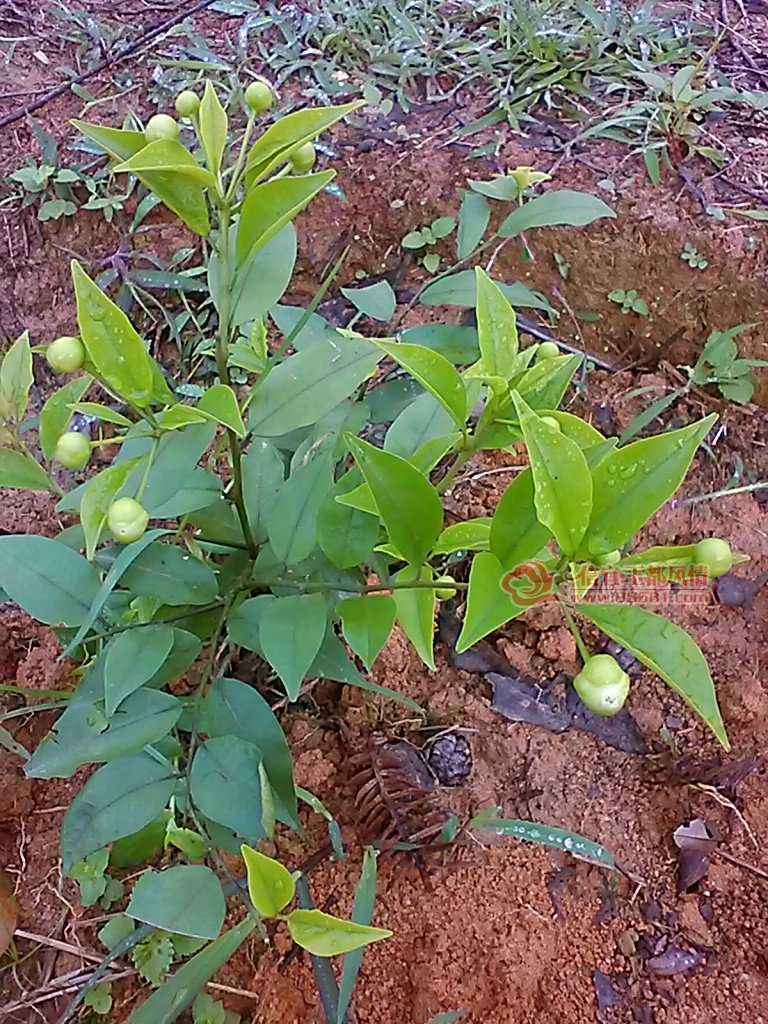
(127, 520)
(602, 684)
(547, 350)
(161, 126)
(65, 354)
(72, 450)
(552, 422)
(447, 591)
(187, 103)
(303, 159)
(715, 554)
(259, 96)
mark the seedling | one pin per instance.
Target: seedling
(427, 236)
(629, 301)
(693, 257)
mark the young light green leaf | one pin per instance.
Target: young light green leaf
(471, 535)
(545, 383)
(57, 412)
(433, 372)
(415, 607)
(15, 379)
(377, 301)
(407, 502)
(562, 482)
(291, 632)
(362, 913)
(20, 470)
(119, 143)
(366, 623)
(169, 170)
(346, 535)
(213, 128)
(133, 658)
(101, 412)
(666, 649)
(292, 519)
(488, 605)
(324, 935)
(219, 402)
(270, 206)
(270, 885)
(179, 416)
(100, 491)
(186, 900)
(583, 433)
(113, 346)
(117, 800)
(553, 208)
(50, 581)
(632, 483)
(516, 533)
(473, 220)
(496, 328)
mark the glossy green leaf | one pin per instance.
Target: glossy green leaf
(633, 482)
(19, 470)
(346, 535)
(460, 290)
(225, 784)
(562, 482)
(174, 996)
(219, 402)
(179, 416)
(583, 433)
(362, 913)
(292, 519)
(270, 885)
(171, 575)
(263, 476)
(415, 609)
(132, 659)
(270, 206)
(407, 502)
(15, 379)
(433, 372)
(306, 386)
(324, 935)
(516, 533)
(456, 342)
(471, 535)
(473, 220)
(672, 554)
(488, 604)
(57, 412)
(667, 650)
(563, 206)
(212, 128)
(545, 383)
(101, 412)
(366, 623)
(291, 632)
(117, 800)
(118, 142)
(100, 491)
(186, 900)
(496, 328)
(114, 348)
(545, 835)
(50, 581)
(421, 421)
(377, 301)
(168, 169)
(287, 134)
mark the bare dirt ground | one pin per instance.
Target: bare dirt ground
(512, 933)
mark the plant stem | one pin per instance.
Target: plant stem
(583, 651)
(761, 485)
(461, 459)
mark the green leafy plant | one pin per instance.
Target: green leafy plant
(693, 257)
(629, 301)
(427, 236)
(261, 516)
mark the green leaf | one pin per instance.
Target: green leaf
(50, 581)
(332, 662)
(219, 402)
(269, 207)
(117, 800)
(407, 502)
(225, 784)
(667, 650)
(84, 733)
(175, 995)
(496, 328)
(114, 348)
(187, 900)
(423, 420)
(19, 470)
(306, 386)
(583, 433)
(433, 372)
(16, 379)
(324, 935)
(263, 476)
(140, 847)
(118, 142)
(516, 533)
(291, 632)
(233, 708)
(471, 535)
(362, 913)
(553, 208)
(287, 134)
(377, 301)
(562, 482)
(545, 835)
(213, 128)
(292, 519)
(171, 575)
(100, 491)
(270, 885)
(488, 604)
(132, 659)
(153, 957)
(543, 385)
(473, 220)
(261, 281)
(416, 611)
(366, 623)
(191, 843)
(101, 412)
(460, 290)
(456, 342)
(57, 412)
(346, 535)
(632, 483)
(169, 170)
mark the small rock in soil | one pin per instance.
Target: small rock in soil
(674, 961)
(736, 591)
(450, 758)
(521, 700)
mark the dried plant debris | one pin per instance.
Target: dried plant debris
(696, 842)
(396, 797)
(737, 591)
(606, 992)
(449, 755)
(674, 960)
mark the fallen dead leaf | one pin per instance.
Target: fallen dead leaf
(8, 911)
(673, 961)
(696, 842)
